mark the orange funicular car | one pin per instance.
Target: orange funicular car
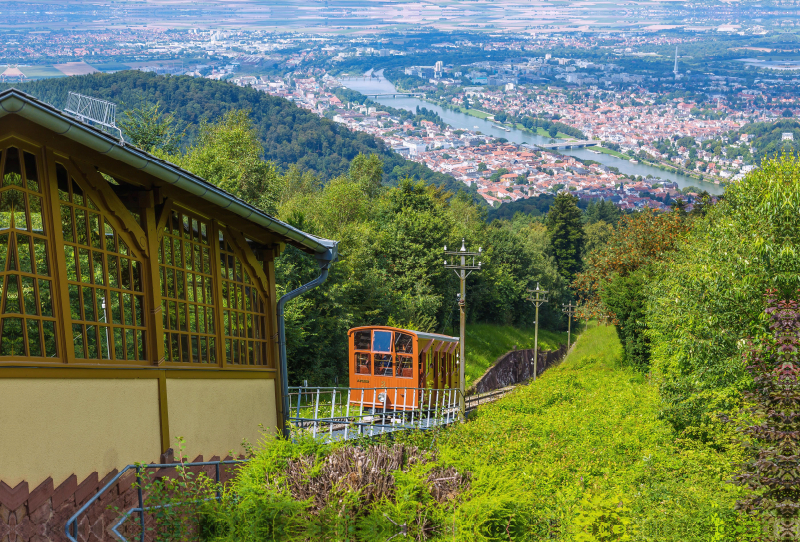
(401, 369)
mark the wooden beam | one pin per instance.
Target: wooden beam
(216, 281)
(163, 410)
(155, 317)
(241, 243)
(163, 215)
(66, 344)
(427, 346)
(99, 190)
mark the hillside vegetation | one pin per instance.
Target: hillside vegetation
(767, 141)
(290, 135)
(580, 455)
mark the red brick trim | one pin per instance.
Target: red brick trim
(41, 515)
(13, 498)
(40, 495)
(65, 490)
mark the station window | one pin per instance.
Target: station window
(244, 314)
(362, 363)
(104, 279)
(28, 323)
(187, 290)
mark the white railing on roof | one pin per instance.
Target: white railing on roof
(93, 111)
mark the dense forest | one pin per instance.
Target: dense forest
(290, 135)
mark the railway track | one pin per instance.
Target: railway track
(474, 401)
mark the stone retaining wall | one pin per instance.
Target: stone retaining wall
(514, 367)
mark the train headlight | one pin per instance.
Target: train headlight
(382, 397)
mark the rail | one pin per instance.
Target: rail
(473, 401)
(71, 528)
(345, 413)
(334, 413)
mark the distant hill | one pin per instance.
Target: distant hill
(291, 135)
(767, 138)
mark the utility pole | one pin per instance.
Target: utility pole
(537, 297)
(569, 310)
(463, 270)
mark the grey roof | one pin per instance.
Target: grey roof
(16, 102)
(435, 336)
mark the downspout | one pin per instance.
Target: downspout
(324, 259)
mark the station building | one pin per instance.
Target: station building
(137, 305)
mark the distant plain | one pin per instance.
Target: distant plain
(384, 15)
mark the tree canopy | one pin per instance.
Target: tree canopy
(709, 299)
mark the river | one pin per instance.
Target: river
(468, 122)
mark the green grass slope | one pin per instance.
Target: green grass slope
(487, 342)
(559, 456)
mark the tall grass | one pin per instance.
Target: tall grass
(584, 445)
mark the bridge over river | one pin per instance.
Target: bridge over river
(568, 144)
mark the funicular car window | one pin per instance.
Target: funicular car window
(403, 343)
(382, 341)
(383, 364)
(405, 369)
(363, 339)
(362, 362)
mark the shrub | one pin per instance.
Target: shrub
(772, 474)
(709, 296)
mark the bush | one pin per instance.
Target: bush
(708, 299)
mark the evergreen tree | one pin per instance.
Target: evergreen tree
(602, 211)
(566, 234)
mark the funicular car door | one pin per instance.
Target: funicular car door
(406, 371)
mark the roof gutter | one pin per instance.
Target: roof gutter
(16, 102)
(324, 260)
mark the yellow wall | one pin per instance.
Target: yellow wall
(59, 427)
(213, 416)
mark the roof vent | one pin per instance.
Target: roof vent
(94, 111)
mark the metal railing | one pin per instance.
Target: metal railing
(71, 528)
(344, 413)
(94, 111)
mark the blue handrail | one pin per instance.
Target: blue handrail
(71, 528)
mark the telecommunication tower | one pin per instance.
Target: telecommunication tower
(675, 69)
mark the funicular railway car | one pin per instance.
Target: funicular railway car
(401, 369)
